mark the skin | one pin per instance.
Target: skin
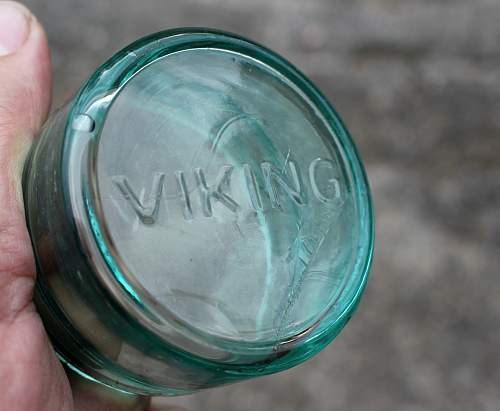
(31, 376)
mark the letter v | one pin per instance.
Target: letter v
(146, 210)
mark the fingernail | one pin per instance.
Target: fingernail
(13, 27)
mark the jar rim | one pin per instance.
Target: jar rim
(89, 112)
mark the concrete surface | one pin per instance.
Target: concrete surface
(418, 83)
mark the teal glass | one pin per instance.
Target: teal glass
(199, 216)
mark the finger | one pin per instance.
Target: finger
(31, 377)
(166, 408)
(25, 89)
(90, 396)
(162, 404)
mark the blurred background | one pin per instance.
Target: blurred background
(418, 84)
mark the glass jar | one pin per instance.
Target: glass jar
(199, 216)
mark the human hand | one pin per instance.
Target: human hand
(31, 376)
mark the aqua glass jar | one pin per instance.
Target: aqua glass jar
(199, 216)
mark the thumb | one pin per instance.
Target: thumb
(25, 80)
(25, 88)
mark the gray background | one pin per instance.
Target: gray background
(418, 83)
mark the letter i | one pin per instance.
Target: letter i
(181, 183)
(252, 187)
